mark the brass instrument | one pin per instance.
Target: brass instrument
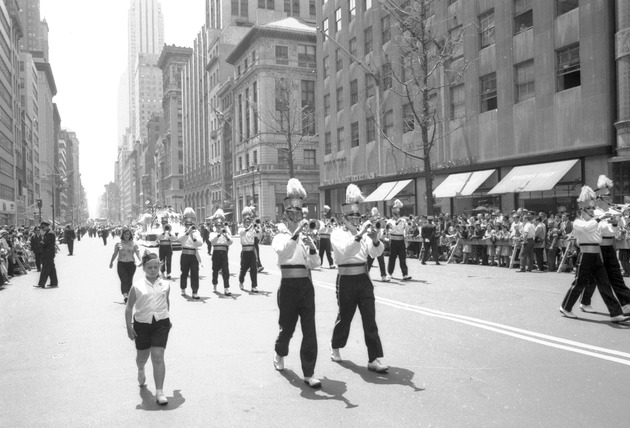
(167, 228)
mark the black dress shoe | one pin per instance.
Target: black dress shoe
(54, 285)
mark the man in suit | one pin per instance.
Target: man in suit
(49, 248)
(429, 240)
(36, 248)
(69, 236)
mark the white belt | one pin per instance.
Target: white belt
(608, 240)
(294, 271)
(352, 269)
(397, 237)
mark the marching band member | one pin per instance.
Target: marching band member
(589, 238)
(352, 245)
(221, 239)
(623, 239)
(297, 255)
(165, 250)
(324, 238)
(376, 219)
(397, 242)
(257, 239)
(248, 232)
(189, 261)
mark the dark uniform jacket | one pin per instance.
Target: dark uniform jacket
(49, 244)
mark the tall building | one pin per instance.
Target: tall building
(71, 180)
(147, 84)
(207, 165)
(273, 116)
(12, 163)
(30, 135)
(145, 36)
(35, 36)
(169, 154)
(537, 95)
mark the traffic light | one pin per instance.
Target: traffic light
(39, 203)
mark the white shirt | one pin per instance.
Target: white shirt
(220, 238)
(528, 230)
(248, 235)
(293, 251)
(398, 226)
(151, 300)
(586, 231)
(192, 240)
(346, 249)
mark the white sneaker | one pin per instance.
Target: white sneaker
(377, 366)
(278, 362)
(313, 382)
(626, 309)
(406, 277)
(566, 313)
(389, 278)
(587, 308)
(385, 278)
(619, 318)
(335, 355)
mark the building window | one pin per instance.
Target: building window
(266, 4)
(325, 26)
(282, 55)
(339, 99)
(354, 92)
(564, 6)
(409, 119)
(387, 76)
(354, 134)
(327, 143)
(310, 157)
(568, 68)
(308, 107)
(255, 157)
(352, 12)
(524, 77)
(247, 114)
(488, 86)
(367, 4)
(370, 128)
(369, 86)
(340, 139)
(486, 28)
(338, 60)
(311, 8)
(337, 20)
(246, 160)
(240, 163)
(389, 123)
(367, 41)
(283, 157)
(385, 29)
(326, 66)
(458, 103)
(523, 15)
(306, 56)
(326, 104)
(353, 49)
(456, 38)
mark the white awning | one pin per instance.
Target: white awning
(533, 178)
(463, 184)
(387, 191)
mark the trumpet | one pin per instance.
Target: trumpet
(167, 228)
(312, 226)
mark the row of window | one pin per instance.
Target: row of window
(567, 76)
(310, 158)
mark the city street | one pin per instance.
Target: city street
(468, 346)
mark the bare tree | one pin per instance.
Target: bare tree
(427, 61)
(289, 123)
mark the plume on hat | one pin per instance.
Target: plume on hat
(247, 211)
(295, 189)
(586, 195)
(304, 210)
(189, 212)
(353, 194)
(219, 213)
(326, 208)
(398, 204)
(604, 182)
(375, 212)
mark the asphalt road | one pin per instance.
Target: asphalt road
(468, 346)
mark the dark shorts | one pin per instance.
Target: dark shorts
(151, 335)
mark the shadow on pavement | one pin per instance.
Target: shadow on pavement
(201, 299)
(149, 404)
(333, 389)
(618, 325)
(394, 376)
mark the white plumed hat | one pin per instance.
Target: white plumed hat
(219, 214)
(189, 214)
(295, 195)
(587, 197)
(353, 198)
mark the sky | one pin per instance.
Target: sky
(88, 54)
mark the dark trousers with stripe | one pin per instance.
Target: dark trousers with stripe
(166, 258)
(591, 265)
(325, 248)
(189, 266)
(356, 291)
(220, 263)
(397, 249)
(248, 261)
(613, 270)
(296, 299)
(381, 264)
(257, 247)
